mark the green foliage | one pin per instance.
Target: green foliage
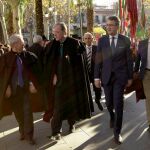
(22, 6)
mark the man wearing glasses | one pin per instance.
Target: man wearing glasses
(114, 65)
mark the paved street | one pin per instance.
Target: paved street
(91, 134)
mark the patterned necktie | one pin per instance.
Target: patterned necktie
(61, 50)
(19, 71)
(113, 45)
(89, 53)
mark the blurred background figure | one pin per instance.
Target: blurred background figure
(142, 69)
(38, 48)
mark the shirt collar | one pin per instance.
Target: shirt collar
(115, 36)
(88, 46)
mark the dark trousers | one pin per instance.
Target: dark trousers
(56, 122)
(22, 110)
(114, 101)
(97, 92)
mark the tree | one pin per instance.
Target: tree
(16, 18)
(89, 5)
(39, 17)
(9, 19)
(3, 25)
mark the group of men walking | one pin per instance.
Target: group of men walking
(61, 73)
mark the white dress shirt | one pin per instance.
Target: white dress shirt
(115, 40)
(88, 48)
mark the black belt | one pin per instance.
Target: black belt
(147, 69)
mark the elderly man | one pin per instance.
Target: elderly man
(65, 66)
(15, 72)
(90, 55)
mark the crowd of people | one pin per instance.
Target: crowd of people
(62, 71)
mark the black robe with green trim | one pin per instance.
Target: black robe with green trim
(72, 94)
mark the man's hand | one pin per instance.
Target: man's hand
(8, 92)
(97, 83)
(32, 88)
(55, 80)
(129, 83)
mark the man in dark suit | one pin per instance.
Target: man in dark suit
(142, 69)
(114, 65)
(90, 55)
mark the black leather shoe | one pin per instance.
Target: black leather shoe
(118, 139)
(55, 137)
(72, 129)
(99, 105)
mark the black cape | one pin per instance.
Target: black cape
(72, 91)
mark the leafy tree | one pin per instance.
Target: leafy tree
(89, 5)
(4, 36)
(39, 17)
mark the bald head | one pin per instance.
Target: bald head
(88, 38)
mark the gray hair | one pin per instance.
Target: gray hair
(88, 33)
(37, 39)
(62, 26)
(15, 38)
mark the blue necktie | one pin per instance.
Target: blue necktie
(20, 69)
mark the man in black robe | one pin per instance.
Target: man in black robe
(65, 66)
(16, 75)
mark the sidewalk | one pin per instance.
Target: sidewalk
(91, 134)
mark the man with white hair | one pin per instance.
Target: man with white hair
(16, 74)
(38, 48)
(38, 39)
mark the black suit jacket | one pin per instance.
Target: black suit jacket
(121, 63)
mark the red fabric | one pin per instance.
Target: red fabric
(132, 9)
(136, 86)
